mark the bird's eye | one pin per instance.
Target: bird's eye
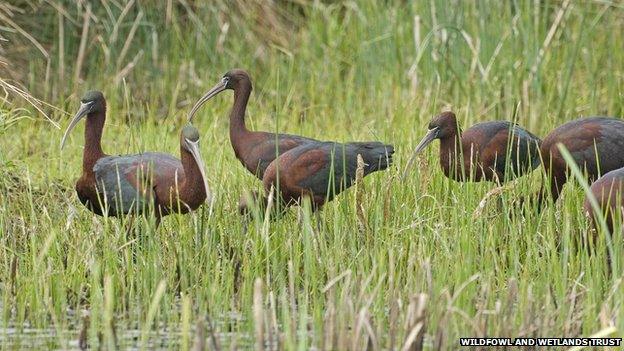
(225, 80)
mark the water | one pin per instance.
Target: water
(50, 339)
(26, 337)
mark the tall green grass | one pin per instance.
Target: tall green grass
(421, 273)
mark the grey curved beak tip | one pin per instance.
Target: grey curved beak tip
(219, 87)
(83, 111)
(426, 140)
(191, 114)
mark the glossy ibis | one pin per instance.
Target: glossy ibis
(132, 184)
(595, 143)
(255, 150)
(320, 171)
(485, 151)
(608, 191)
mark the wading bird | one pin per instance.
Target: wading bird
(255, 150)
(608, 191)
(320, 171)
(584, 138)
(134, 184)
(485, 151)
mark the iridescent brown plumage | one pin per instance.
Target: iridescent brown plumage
(492, 151)
(256, 150)
(608, 191)
(132, 184)
(595, 143)
(319, 171)
(303, 164)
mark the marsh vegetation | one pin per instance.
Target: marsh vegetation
(397, 263)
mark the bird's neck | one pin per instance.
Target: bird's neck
(238, 130)
(450, 154)
(93, 140)
(192, 190)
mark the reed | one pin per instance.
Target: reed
(428, 272)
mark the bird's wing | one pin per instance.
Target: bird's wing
(133, 182)
(524, 150)
(604, 137)
(267, 150)
(377, 156)
(480, 147)
(328, 167)
(166, 172)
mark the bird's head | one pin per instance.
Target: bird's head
(95, 100)
(190, 134)
(91, 102)
(442, 126)
(235, 77)
(231, 80)
(189, 141)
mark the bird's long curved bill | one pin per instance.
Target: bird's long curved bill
(426, 140)
(82, 112)
(209, 95)
(194, 149)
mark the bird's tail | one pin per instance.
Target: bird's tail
(377, 156)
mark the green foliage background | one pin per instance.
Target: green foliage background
(420, 273)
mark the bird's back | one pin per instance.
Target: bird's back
(128, 183)
(585, 138)
(608, 191)
(505, 142)
(525, 149)
(319, 167)
(265, 147)
(608, 185)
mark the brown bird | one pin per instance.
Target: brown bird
(492, 151)
(595, 143)
(255, 150)
(608, 191)
(134, 184)
(319, 171)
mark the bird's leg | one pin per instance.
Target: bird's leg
(556, 182)
(246, 224)
(499, 184)
(556, 185)
(315, 208)
(157, 220)
(157, 213)
(129, 226)
(247, 216)
(317, 217)
(131, 235)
